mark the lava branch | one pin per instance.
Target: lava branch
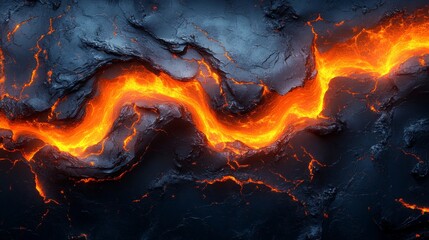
(241, 183)
(371, 51)
(312, 165)
(423, 210)
(39, 50)
(11, 33)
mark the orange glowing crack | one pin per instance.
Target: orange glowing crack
(312, 164)
(372, 51)
(16, 28)
(120, 176)
(43, 218)
(296, 184)
(413, 155)
(206, 34)
(134, 130)
(36, 56)
(241, 183)
(338, 24)
(36, 68)
(423, 210)
(146, 195)
(40, 189)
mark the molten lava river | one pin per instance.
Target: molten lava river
(373, 51)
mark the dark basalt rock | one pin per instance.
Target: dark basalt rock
(415, 131)
(326, 128)
(420, 170)
(339, 178)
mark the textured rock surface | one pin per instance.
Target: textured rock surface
(340, 178)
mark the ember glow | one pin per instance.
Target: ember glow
(423, 210)
(241, 183)
(375, 51)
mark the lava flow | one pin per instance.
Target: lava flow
(373, 51)
(423, 210)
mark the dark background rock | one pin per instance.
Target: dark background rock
(339, 179)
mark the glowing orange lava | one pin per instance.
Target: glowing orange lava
(16, 28)
(423, 210)
(241, 183)
(372, 51)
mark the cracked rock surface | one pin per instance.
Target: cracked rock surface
(343, 177)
